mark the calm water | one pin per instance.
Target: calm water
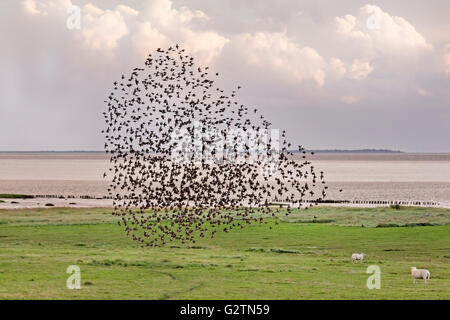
(402, 177)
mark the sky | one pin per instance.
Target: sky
(334, 74)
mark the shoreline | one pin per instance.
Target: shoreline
(43, 202)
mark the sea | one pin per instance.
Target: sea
(363, 177)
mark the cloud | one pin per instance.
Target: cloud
(360, 69)
(102, 29)
(158, 24)
(276, 51)
(205, 46)
(163, 25)
(148, 39)
(127, 10)
(34, 8)
(446, 58)
(349, 99)
(43, 8)
(375, 36)
(424, 93)
(337, 67)
(302, 72)
(346, 26)
(376, 31)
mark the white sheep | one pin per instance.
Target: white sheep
(358, 256)
(420, 274)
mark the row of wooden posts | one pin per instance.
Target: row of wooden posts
(370, 202)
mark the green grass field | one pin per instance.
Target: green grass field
(301, 258)
(15, 196)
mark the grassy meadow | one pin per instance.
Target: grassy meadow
(306, 256)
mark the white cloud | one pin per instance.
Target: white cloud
(166, 25)
(102, 29)
(376, 31)
(337, 67)
(127, 10)
(206, 45)
(158, 25)
(148, 39)
(31, 7)
(44, 8)
(360, 69)
(275, 50)
(186, 15)
(346, 26)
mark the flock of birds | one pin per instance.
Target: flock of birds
(168, 187)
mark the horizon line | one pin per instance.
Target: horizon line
(362, 150)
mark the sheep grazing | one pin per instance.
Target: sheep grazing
(358, 257)
(420, 274)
